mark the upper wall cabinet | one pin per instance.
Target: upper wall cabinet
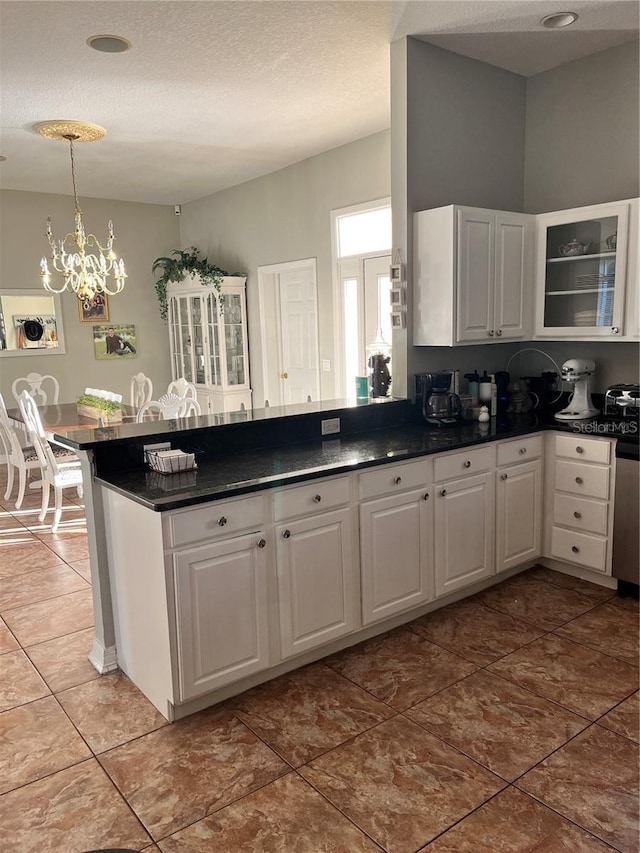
(586, 275)
(473, 276)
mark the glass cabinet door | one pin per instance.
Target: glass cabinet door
(199, 359)
(584, 275)
(213, 335)
(180, 337)
(234, 338)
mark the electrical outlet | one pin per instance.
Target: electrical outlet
(330, 426)
(162, 445)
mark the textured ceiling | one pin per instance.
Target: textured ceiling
(216, 92)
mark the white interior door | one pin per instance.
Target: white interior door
(377, 306)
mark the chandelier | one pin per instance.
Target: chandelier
(87, 267)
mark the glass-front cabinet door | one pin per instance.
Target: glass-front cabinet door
(582, 272)
(180, 338)
(234, 338)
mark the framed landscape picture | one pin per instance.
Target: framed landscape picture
(94, 309)
(114, 342)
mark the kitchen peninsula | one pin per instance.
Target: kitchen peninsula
(285, 545)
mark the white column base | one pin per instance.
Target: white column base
(104, 659)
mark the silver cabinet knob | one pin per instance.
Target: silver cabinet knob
(286, 534)
(579, 481)
(577, 514)
(491, 333)
(425, 496)
(579, 449)
(503, 476)
(397, 480)
(262, 543)
(499, 333)
(443, 493)
(575, 549)
(467, 463)
(523, 450)
(317, 499)
(222, 521)
(615, 330)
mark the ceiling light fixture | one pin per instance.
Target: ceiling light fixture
(559, 19)
(85, 274)
(109, 44)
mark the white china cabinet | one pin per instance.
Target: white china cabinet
(208, 342)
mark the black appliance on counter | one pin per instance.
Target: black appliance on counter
(438, 398)
(623, 401)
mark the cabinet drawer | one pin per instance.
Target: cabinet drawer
(587, 551)
(317, 496)
(581, 514)
(388, 479)
(223, 518)
(510, 452)
(590, 481)
(455, 465)
(583, 449)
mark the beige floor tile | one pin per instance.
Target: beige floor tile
(542, 604)
(70, 547)
(109, 711)
(512, 822)
(37, 740)
(624, 718)
(8, 642)
(593, 781)
(626, 602)
(8, 524)
(612, 630)
(401, 785)
(400, 668)
(305, 713)
(475, 632)
(593, 590)
(500, 725)
(287, 815)
(20, 590)
(45, 620)
(83, 568)
(76, 809)
(183, 772)
(19, 681)
(63, 662)
(576, 677)
(28, 555)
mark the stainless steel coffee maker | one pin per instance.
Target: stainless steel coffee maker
(437, 393)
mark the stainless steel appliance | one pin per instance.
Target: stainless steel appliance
(438, 397)
(623, 401)
(626, 545)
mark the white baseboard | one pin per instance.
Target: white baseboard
(103, 658)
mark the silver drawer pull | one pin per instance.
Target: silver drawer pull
(615, 330)
(425, 496)
(491, 333)
(222, 521)
(262, 543)
(443, 493)
(499, 333)
(575, 549)
(579, 481)
(397, 480)
(503, 476)
(467, 464)
(317, 499)
(579, 449)
(286, 534)
(577, 514)
(523, 450)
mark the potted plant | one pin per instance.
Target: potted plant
(180, 264)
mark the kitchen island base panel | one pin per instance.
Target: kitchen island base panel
(578, 572)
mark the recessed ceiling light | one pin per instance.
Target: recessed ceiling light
(109, 44)
(559, 19)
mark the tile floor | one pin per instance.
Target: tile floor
(507, 722)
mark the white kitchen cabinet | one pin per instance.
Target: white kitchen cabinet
(582, 257)
(464, 536)
(473, 275)
(221, 613)
(208, 342)
(518, 514)
(316, 572)
(396, 541)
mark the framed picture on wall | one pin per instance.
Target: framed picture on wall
(114, 342)
(94, 309)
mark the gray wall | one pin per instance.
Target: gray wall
(143, 233)
(285, 216)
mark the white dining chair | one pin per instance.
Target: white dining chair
(141, 390)
(59, 472)
(18, 458)
(33, 383)
(183, 388)
(170, 406)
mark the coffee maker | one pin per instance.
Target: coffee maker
(437, 394)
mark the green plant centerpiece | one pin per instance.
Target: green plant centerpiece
(180, 264)
(97, 407)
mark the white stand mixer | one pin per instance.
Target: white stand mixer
(577, 371)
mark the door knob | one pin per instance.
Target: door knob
(286, 534)
(397, 480)
(579, 449)
(579, 480)
(575, 549)
(284, 376)
(615, 330)
(467, 464)
(523, 450)
(503, 476)
(443, 493)
(317, 499)
(577, 514)
(499, 333)
(222, 521)
(262, 543)
(491, 333)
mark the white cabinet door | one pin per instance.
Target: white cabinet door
(395, 553)
(316, 580)
(475, 274)
(519, 515)
(513, 276)
(221, 613)
(463, 532)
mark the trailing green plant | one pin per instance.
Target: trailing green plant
(109, 407)
(180, 264)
